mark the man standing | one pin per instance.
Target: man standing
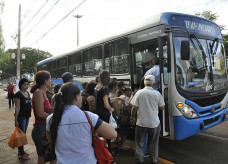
(147, 101)
(67, 77)
(10, 89)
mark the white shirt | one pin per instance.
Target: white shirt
(148, 100)
(74, 138)
(48, 123)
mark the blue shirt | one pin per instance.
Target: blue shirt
(74, 138)
(155, 71)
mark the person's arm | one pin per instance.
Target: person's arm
(91, 102)
(116, 107)
(39, 105)
(106, 130)
(106, 103)
(133, 112)
(17, 110)
(162, 108)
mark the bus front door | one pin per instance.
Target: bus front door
(164, 63)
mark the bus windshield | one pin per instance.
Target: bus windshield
(205, 70)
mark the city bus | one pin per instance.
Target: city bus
(192, 62)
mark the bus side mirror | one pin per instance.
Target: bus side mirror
(185, 50)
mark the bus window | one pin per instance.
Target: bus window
(74, 63)
(62, 66)
(117, 57)
(96, 58)
(92, 61)
(53, 69)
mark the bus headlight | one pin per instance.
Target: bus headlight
(186, 110)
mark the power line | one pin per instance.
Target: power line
(41, 18)
(58, 23)
(34, 16)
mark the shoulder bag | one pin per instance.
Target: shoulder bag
(100, 146)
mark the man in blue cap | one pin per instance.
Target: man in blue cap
(67, 77)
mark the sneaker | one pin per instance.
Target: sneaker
(24, 157)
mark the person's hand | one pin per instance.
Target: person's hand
(112, 109)
(132, 121)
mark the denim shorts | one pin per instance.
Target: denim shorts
(38, 134)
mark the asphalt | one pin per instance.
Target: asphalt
(9, 155)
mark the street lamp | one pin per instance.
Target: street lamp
(77, 16)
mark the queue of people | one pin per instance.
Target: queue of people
(59, 116)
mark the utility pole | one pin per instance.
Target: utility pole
(18, 49)
(77, 16)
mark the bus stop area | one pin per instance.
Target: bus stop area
(9, 155)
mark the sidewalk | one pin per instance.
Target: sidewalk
(8, 155)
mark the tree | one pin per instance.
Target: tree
(8, 65)
(213, 17)
(210, 16)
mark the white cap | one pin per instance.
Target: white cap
(149, 79)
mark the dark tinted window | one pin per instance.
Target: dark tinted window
(117, 56)
(62, 62)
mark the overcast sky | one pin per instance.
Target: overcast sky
(101, 18)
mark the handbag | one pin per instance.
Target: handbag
(100, 146)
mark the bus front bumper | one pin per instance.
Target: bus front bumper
(184, 128)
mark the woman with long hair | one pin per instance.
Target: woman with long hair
(70, 130)
(22, 112)
(103, 107)
(41, 109)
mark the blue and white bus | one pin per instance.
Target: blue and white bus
(191, 57)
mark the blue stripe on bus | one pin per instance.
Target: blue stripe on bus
(184, 128)
(60, 81)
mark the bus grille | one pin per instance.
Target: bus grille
(211, 120)
(209, 100)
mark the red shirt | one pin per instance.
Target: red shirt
(10, 89)
(47, 109)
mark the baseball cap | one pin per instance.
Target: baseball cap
(67, 76)
(149, 79)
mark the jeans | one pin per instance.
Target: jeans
(23, 125)
(38, 135)
(10, 97)
(153, 142)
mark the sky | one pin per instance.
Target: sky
(100, 19)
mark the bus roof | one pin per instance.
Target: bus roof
(162, 18)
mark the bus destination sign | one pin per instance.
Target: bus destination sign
(197, 26)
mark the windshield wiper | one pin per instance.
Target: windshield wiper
(204, 57)
(200, 46)
(213, 53)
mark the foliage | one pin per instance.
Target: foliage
(213, 17)
(8, 65)
(210, 16)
